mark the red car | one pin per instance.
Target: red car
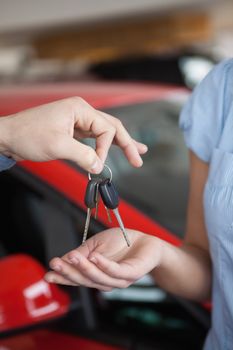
(43, 215)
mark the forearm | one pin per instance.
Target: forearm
(185, 271)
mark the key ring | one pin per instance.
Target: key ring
(90, 176)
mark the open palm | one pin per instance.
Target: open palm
(106, 262)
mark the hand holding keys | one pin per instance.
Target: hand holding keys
(110, 198)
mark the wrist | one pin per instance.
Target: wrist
(161, 246)
(156, 250)
(5, 136)
(163, 251)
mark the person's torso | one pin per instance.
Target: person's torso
(218, 207)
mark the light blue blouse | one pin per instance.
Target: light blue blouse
(207, 122)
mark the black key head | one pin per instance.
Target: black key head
(90, 195)
(109, 194)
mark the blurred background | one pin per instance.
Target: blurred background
(137, 60)
(70, 40)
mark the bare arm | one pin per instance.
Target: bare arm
(186, 271)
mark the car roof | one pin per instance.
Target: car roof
(99, 94)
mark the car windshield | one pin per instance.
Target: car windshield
(160, 187)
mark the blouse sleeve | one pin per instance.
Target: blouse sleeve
(202, 118)
(6, 163)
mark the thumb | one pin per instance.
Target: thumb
(82, 155)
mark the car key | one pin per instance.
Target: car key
(96, 200)
(110, 198)
(90, 202)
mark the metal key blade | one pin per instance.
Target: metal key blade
(96, 200)
(90, 202)
(87, 223)
(108, 214)
(122, 227)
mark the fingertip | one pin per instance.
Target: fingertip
(137, 162)
(93, 258)
(98, 259)
(53, 262)
(74, 261)
(48, 278)
(143, 149)
(140, 162)
(74, 255)
(56, 264)
(83, 155)
(97, 167)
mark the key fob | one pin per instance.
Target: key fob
(90, 195)
(109, 194)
